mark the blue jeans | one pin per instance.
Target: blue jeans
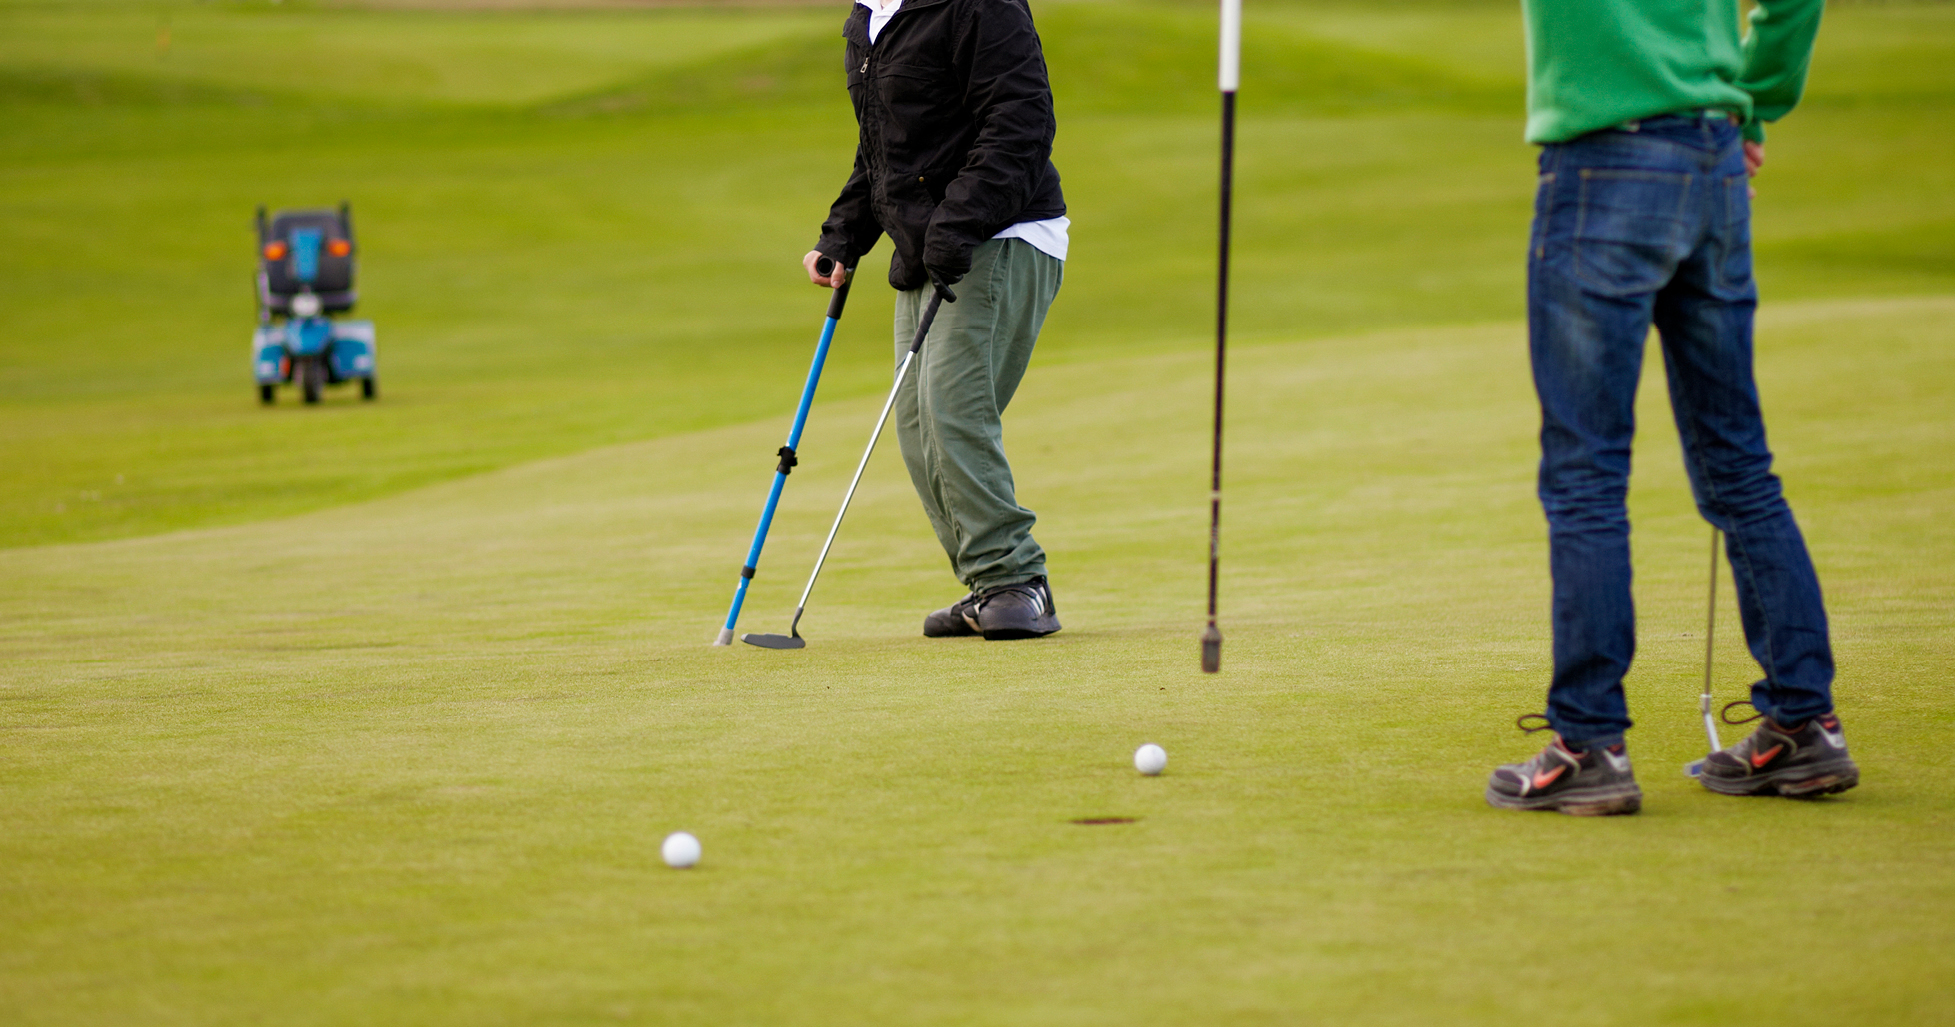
(1642, 225)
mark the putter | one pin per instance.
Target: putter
(837, 298)
(1229, 77)
(1695, 768)
(793, 639)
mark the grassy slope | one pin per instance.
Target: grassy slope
(408, 762)
(575, 255)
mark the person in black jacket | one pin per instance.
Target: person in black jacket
(953, 163)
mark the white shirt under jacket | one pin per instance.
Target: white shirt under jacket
(1048, 236)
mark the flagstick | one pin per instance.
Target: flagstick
(1229, 77)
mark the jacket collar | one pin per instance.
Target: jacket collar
(856, 29)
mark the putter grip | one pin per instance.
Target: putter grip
(840, 296)
(938, 298)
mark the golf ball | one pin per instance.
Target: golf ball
(680, 849)
(1150, 759)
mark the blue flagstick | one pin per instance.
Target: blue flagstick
(786, 453)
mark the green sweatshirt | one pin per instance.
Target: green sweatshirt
(1597, 63)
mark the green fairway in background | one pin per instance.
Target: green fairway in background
(377, 713)
(582, 227)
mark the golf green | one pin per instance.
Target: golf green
(378, 713)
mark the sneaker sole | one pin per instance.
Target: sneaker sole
(1010, 634)
(1792, 783)
(1586, 802)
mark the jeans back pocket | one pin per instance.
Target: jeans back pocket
(1631, 229)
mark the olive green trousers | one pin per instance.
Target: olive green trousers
(948, 412)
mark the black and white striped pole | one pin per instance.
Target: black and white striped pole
(1229, 77)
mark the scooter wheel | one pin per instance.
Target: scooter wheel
(369, 387)
(267, 394)
(313, 380)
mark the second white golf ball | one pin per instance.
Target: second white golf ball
(680, 850)
(1150, 759)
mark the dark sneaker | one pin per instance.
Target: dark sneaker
(1803, 762)
(1023, 610)
(1596, 783)
(959, 618)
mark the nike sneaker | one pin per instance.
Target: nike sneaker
(1595, 783)
(959, 618)
(1023, 610)
(1801, 762)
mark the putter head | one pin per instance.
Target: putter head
(774, 641)
(1211, 650)
(1695, 768)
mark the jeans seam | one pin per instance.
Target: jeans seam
(1692, 442)
(1725, 185)
(1764, 618)
(1543, 206)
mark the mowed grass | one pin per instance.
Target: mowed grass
(379, 713)
(582, 227)
(409, 761)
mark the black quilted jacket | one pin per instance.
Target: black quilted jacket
(956, 135)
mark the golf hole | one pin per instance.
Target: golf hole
(1096, 821)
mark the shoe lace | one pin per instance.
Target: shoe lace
(1543, 725)
(1725, 713)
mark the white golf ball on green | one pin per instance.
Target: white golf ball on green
(680, 850)
(1150, 759)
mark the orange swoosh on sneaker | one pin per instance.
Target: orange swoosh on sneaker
(1759, 759)
(1543, 780)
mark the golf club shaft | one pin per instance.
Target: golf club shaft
(1710, 639)
(1228, 78)
(902, 371)
(836, 300)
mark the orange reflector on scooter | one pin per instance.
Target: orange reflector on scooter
(339, 247)
(275, 251)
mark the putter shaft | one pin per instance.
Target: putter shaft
(1710, 640)
(838, 298)
(1695, 767)
(937, 299)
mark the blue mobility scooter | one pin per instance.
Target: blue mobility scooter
(305, 276)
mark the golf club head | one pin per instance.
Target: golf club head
(774, 641)
(1695, 768)
(1211, 650)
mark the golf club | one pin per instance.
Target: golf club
(836, 299)
(1695, 768)
(1230, 74)
(793, 639)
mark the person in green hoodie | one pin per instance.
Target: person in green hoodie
(1650, 115)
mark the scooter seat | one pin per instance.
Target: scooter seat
(329, 302)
